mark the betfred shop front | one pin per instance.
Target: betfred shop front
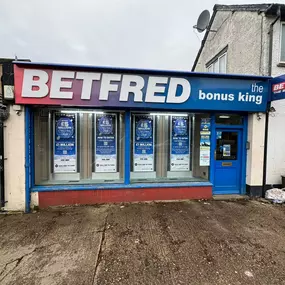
(96, 135)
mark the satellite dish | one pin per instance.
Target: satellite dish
(203, 21)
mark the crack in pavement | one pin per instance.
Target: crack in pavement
(18, 261)
(99, 253)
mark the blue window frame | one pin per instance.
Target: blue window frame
(30, 165)
(127, 166)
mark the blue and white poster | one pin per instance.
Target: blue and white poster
(105, 143)
(180, 144)
(64, 143)
(226, 150)
(143, 143)
(205, 128)
(205, 144)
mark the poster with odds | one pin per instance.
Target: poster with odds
(143, 143)
(205, 144)
(180, 144)
(205, 126)
(105, 143)
(64, 160)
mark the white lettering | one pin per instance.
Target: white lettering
(231, 97)
(251, 98)
(186, 90)
(216, 96)
(256, 88)
(241, 97)
(32, 87)
(202, 95)
(87, 78)
(57, 84)
(152, 88)
(136, 89)
(258, 99)
(209, 96)
(107, 86)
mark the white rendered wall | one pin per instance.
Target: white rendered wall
(34, 199)
(255, 154)
(276, 133)
(14, 164)
(276, 144)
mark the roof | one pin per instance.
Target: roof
(5, 60)
(59, 66)
(268, 9)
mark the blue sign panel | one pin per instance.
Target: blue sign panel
(143, 143)
(278, 88)
(105, 143)
(65, 143)
(180, 144)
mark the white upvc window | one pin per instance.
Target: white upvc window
(219, 65)
(282, 40)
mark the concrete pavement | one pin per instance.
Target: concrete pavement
(206, 242)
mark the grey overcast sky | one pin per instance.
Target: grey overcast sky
(156, 34)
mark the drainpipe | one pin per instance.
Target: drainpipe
(27, 161)
(4, 114)
(268, 104)
(2, 184)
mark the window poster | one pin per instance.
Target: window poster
(180, 144)
(205, 126)
(205, 150)
(143, 143)
(205, 143)
(226, 150)
(64, 160)
(105, 143)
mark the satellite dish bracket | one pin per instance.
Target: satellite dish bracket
(207, 29)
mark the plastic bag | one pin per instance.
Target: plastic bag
(276, 195)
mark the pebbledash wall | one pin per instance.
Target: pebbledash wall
(92, 135)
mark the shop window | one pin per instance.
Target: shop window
(78, 146)
(170, 147)
(229, 119)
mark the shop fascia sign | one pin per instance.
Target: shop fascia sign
(49, 86)
(278, 88)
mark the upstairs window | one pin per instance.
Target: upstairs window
(218, 64)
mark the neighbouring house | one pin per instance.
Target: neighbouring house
(250, 39)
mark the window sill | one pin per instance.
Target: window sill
(117, 186)
(281, 64)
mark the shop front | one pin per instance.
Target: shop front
(97, 135)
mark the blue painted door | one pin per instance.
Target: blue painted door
(228, 161)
